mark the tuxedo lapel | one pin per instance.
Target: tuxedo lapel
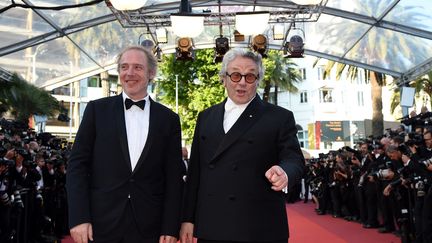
(249, 117)
(121, 128)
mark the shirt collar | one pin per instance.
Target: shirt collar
(230, 105)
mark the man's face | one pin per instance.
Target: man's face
(364, 149)
(241, 92)
(41, 163)
(427, 137)
(135, 74)
(395, 155)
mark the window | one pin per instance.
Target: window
(321, 71)
(94, 82)
(303, 97)
(360, 99)
(302, 73)
(302, 136)
(326, 96)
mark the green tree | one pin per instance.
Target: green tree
(280, 72)
(199, 87)
(23, 100)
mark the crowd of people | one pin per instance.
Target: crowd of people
(129, 181)
(33, 203)
(384, 183)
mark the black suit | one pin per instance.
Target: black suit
(228, 197)
(101, 185)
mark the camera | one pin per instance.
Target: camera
(5, 199)
(426, 162)
(6, 162)
(383, 171)
(17, 199)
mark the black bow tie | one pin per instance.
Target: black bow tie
(129, 103)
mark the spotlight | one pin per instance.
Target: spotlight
(162, 35)
(222, 46)
(184, 49)
(238, 36)
(259, 44)
(278, 32)
(148, 44)
(294, 48)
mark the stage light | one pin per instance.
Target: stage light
(222, 46)
(238, 36)
(184, 50)
(162, 35)
(294, 48)
(306, 2)
(252, 23)
(278, 31)
(146, 43)
(128, 5)
(259, 44)
(185, 23)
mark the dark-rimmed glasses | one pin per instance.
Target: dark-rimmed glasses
(236, 77)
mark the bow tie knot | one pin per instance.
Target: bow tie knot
(129, 103)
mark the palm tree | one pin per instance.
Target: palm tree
(377, 81)
(422, 85)
(23, 100)
(280, 72)
(374, 47)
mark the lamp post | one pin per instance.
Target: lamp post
(176, 93)
(33, 57)
(70, 110)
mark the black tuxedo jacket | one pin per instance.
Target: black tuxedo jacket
(100, 181)
(228, 197)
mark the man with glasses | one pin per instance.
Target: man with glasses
(244, 154)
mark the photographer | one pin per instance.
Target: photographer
(25, 178)
(365, 190)
(318, 184)
(423, 210)
(5, 199)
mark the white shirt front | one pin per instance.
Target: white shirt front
(137, 126)
(232, 113)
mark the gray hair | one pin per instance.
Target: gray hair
(239, 52)
(151, 60)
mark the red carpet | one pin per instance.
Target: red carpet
(308, 227)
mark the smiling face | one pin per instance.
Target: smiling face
(135, 73)
(241, 92)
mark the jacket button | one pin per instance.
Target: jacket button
(234, 167)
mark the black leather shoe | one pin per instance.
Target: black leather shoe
(369, 226)
(384, 230)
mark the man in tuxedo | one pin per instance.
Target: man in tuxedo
(244, 153)
(124, 177)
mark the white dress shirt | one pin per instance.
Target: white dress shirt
(137, 126)
(39, 183)
(232, 113)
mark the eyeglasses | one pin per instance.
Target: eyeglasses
(236, 77)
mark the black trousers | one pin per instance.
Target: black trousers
(218, 241)
(130, 232)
